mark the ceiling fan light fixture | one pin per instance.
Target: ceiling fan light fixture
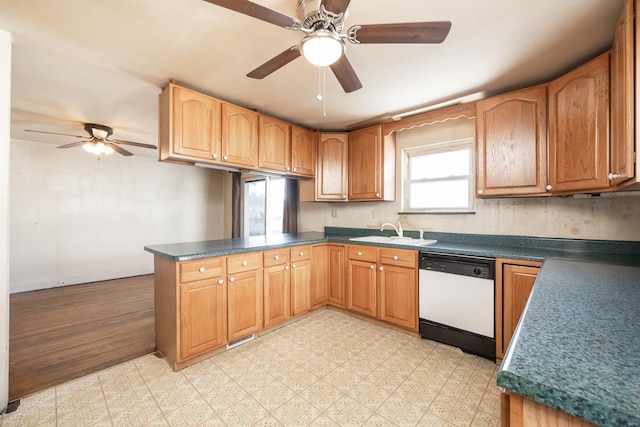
(322, 48)
(97, 148)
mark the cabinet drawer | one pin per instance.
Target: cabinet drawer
(200, 269)
(398, 257)
(243, 262)
(275, 257)
(300, 253)
(362, 253)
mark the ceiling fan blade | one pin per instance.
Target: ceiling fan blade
(118, 149)
(275, 63)
(74, 144)
(346, 75)
(55, 133)
(135, 144)
(336, 6)
(411, 32)
(256, 11)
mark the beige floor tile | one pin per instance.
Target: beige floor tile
(36, 410)
(400, 412)
(416, 393)
(254, 379)
(369, 394)
(269, 421)
(321, 394)
(151, 366)
(342, 379)
(348, 412)
(320, 365)
(246, 412)
(95, 414)
(431, 420)
(377, 421)
(297, 378)
(490, 402)
(323, 421)
(386, 378)
(120, 378)
(77, 394)
(296, 412)
(273, 395)
(225, 396)
(485, 420)
(192, 414)
(134, 407)
(172, 398)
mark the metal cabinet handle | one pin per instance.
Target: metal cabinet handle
(201, 269)
(232, 279)
(613, 176)
(549, 187)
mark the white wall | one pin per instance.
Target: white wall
(75, 219)
(608, 217)
(5, 108)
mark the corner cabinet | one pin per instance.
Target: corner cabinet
(371, 165)
(239, 136)
(514, 283)
(331, 172)
(303, 152)
(189, 125)
(579, 128)
(511, 144)
(274, 145)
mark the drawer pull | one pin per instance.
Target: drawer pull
(395, 257)
(293, 266)
(373, 267)
(201, 269)
(286, 268)
(244, 263)
(359, 253)
(301, 254)
(220, 281)
(381, 268)
(277, 257)
(232, 279)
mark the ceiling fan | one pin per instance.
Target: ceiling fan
(322, 23)
(98, 141)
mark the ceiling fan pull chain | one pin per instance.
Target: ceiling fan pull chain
(324, 92)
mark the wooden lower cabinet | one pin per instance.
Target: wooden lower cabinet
(382, 283)
(514, 282)
(300, 287)
(203, 317)
(398, 295)
(336, 276)
(244, 294)
(518, 411)
(276, 294)
(327, 275)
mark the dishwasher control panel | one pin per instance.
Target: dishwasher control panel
(482, 268)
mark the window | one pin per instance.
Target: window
(263, 206)
(439, 178)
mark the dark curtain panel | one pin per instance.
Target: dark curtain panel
(291, 198)
(236, 204)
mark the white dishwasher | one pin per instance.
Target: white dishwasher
(457, 302)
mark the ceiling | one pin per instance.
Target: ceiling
(77, 61)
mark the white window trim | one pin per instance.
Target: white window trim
(251, 178)
(440, 147)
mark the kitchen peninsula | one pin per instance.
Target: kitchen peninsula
(576, 348)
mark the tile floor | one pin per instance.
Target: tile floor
(328, 369)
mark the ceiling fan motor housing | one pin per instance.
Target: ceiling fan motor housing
(313, 19)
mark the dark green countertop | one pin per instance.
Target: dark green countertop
(577, 346)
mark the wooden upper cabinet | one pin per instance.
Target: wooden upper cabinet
(511, 143)
(331, 174)
(371, 165)
(622, 146)
(579, 128)
(274, 145)
(239, 136)
(303, 152)
(189, 125)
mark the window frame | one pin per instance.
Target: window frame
(268, 202)
(437, 148)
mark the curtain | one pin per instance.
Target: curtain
(291, 198)
(236, 204)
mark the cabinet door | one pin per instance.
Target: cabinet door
(579, 128)
(203, 317)
(244, 304)
(336, 276)
(276, 294)
(331, 177)
(398, 296)
(517, 283)
(622, 98)
(239, 136)
(300, 287)
(511, 143)
(196, 124)
(274, 145)
(319, 275)
(361, 287)
(365, 164)
(303, 152)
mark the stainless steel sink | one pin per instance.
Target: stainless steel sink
(394, 240)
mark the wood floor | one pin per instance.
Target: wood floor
(56, 335)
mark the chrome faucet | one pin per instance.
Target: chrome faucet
(399, 230)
